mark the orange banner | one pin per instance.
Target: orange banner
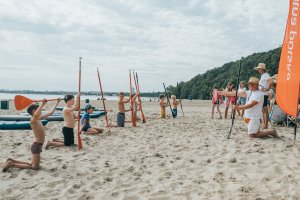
(287, 89)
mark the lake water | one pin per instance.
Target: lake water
(11, 96)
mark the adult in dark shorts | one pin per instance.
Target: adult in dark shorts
(265, 84)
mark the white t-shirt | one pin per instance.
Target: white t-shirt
(256, 111)
(242, 89)
(263, 82)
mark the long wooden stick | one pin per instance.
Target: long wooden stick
(296, 123)
(238, 80)
(103, 102)
(131, 102)
(139, 97)
(180, 99)
(168, 100)
(79, 110)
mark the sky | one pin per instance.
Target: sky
(165, 41)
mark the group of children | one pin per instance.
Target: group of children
(39, 132)
(72, 104)
(217, 100)
(164, 104)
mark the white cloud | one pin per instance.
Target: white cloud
(165, 41)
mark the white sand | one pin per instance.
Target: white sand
(184, 158)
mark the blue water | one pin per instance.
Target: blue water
(11, 96)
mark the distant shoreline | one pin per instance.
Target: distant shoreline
(54, 92)
(89, 93)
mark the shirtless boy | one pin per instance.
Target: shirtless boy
(69, 118)
(163, 106)
(121, 108)
(175, 103)
(39, 134)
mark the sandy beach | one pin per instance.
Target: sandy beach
(184, 158)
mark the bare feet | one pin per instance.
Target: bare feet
(274, 134)
(6, 165)
(47, 145)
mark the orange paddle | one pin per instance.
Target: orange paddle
(78, 117)
(103, 102)
(22, 102)
(139, 97)
(131, 102)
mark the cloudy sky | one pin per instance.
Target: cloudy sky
(163, 40)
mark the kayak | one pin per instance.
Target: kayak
(56, 117)
(82, 109)
(12, 125)
(43, 113)
(28, 117)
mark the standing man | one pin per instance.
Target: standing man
(265, 83)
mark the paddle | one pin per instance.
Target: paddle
(296, 123)
(139, 97)
(79, 110)
(22, 102)
(168, 100)
(131, 102)
(180, 98)
(238, 81)
(103, 102)
(134, 78)
(295, 129)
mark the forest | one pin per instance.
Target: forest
(200, 86)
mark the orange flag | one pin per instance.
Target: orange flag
(287, 89)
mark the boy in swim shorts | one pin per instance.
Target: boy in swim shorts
(175, 103)
(163, 106)
(39, 134)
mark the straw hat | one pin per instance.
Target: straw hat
(254, 80)
(261, 66)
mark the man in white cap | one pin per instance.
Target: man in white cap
(254, 102)
(265, 84)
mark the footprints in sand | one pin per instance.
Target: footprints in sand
(233, 160)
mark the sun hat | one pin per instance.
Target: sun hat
(254, 80)
(261, 66)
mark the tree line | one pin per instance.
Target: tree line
(200, 86)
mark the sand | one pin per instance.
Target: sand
(184, 158)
